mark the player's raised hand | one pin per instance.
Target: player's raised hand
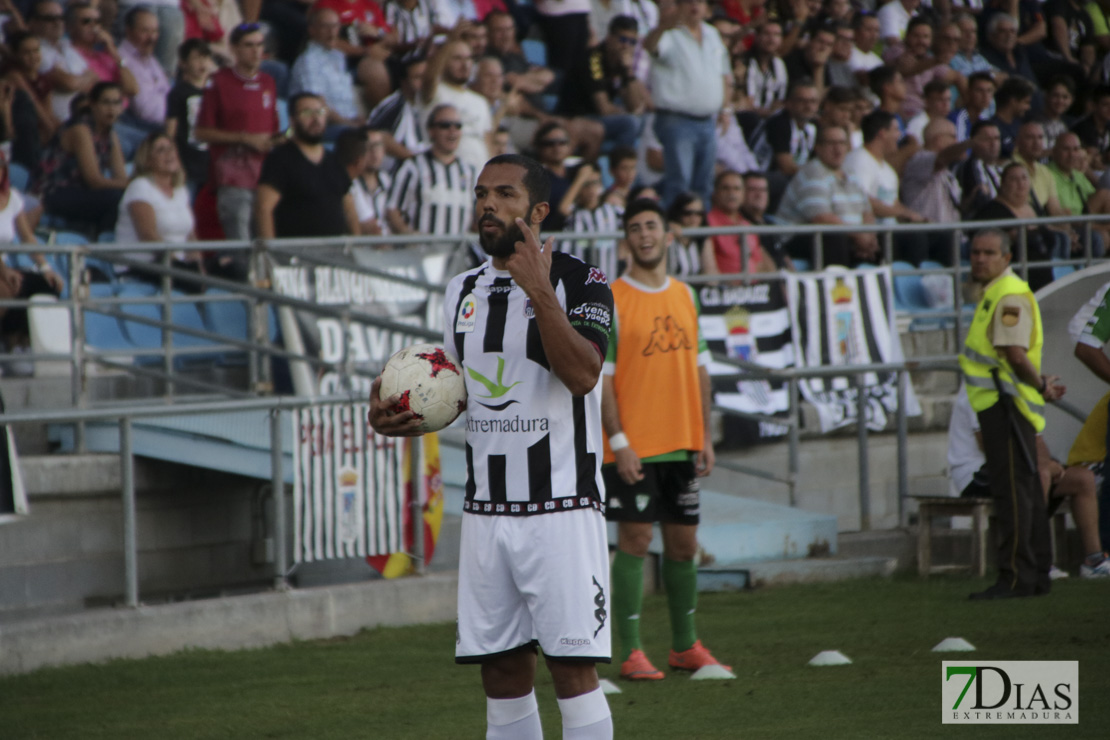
(530, 264)
(385, 420)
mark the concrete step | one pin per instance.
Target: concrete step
(782, 572)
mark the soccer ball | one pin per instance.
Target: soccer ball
(430, 383)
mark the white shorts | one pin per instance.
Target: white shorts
(534, 580)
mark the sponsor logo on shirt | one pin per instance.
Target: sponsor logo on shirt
(466, 321)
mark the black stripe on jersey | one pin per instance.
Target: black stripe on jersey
(584, 461)
(495, 469)
(493, 341)
(533, 345)
(471, 486)
(467, 289)
(539, 470)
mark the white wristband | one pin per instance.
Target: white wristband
(618, 442)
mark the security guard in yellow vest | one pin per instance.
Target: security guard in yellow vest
(1001, 363)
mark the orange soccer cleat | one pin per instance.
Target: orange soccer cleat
(694, 658)
(639, 668)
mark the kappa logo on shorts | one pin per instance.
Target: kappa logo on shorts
(599, 613)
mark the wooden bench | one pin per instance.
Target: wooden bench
(980, 510)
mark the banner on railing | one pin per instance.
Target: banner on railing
(348, 485)
(846, 317)
(366, 345)
(750, 323)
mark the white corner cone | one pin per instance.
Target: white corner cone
(712, 672)
(608, 687)
(830, 657)
(953, 645)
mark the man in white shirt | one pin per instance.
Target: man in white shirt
(868, 168)
(893, 19)
(445, 82)
(865, 26)
(691, 77)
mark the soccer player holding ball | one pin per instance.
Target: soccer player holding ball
(655, 409)
(530, 327)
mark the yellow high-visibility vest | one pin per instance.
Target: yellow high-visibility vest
(980, 358)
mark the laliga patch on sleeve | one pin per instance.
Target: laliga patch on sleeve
(1010, 315)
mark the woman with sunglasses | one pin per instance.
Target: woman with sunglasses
(686, 253)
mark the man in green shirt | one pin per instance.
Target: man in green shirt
(1074, 190)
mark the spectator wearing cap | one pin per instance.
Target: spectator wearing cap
(148, 105)
(432, 192)
(606, 88)
(304, 190)
(171, 27)
(322, 69)
(238, 120)
(691, 76)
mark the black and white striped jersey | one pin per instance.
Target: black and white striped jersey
(434, 197)
(531, 447)
(599, 252)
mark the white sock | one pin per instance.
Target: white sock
(587, 717)
(513, 719)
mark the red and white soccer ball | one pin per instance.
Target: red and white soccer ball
(430, 383)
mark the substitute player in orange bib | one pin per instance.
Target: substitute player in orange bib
(655, 410)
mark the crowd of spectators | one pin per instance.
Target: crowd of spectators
(298, 119)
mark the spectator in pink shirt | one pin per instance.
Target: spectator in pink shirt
(148, 105)
(93, 42)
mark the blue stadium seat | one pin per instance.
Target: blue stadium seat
(909, 292)
(20, 177)
(148, 336)
(104, 332)
(535, 51)
(800, 265)
(283, 114)
(1059, 271)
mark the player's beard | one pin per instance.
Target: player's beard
(503, 246)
